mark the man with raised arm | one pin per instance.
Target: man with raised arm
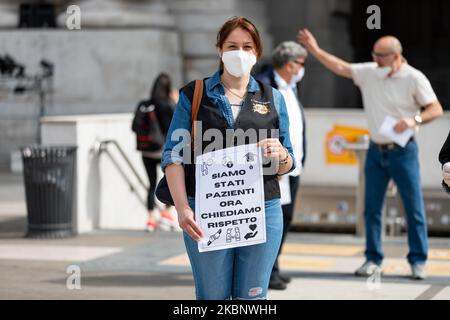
(390, 87)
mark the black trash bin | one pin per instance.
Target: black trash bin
(48, 173)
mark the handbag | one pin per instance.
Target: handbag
(162, 191)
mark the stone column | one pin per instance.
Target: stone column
(257, 11)
(198, 22)
(9, 14)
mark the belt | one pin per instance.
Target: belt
(389, 146)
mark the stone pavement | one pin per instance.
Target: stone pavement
(138, 265)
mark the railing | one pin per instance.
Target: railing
(102, 147)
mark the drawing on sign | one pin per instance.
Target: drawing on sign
(227, 162)
(236, 236)
(250, 157)
(251, 234)
(204, 167)
(214, 237)
(229, 236)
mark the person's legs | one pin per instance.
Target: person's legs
(288, 211)
(376, 182)
(150, 167)
(165, 220)
(253, 264)
(405, 170)
(212, 271)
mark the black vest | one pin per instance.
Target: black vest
(211, 117)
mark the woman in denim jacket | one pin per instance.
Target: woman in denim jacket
(232, 100)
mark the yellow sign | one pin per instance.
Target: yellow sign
(336, 140)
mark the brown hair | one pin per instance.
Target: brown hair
(243, 23)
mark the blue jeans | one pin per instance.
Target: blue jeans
(402, 165)
(237, 273)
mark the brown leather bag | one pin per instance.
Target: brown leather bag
(162, 191)
(198, 94)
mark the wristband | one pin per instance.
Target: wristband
(285, 160)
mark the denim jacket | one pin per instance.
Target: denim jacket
(216, 92)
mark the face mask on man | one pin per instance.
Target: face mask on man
(383, 72)
(299, 76)
(238, 62)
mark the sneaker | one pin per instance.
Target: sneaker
(368, 269)
(418, 271)
(152, 225)
(167, 221)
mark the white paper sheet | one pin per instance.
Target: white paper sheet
(229, 198)
(387, 130)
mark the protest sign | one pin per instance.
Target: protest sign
(230, 198)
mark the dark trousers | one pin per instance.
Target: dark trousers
(288, 212)
(151, 166)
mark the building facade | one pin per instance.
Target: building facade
(109, 65)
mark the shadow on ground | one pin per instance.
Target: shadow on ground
(13, 227)
(134, 280)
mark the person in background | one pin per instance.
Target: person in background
(444, 158)
(286, 71)
(389, 87)
(164, 99)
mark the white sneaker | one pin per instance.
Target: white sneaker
(418, 271)
(168, 221)
(152, 224)
(368, 269)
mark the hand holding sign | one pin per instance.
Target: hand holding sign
(273, 148)
(188, 224)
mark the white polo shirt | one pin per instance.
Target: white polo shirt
(400, 96)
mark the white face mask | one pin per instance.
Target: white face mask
(238, 62)
(299, 76)
(383, 72)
